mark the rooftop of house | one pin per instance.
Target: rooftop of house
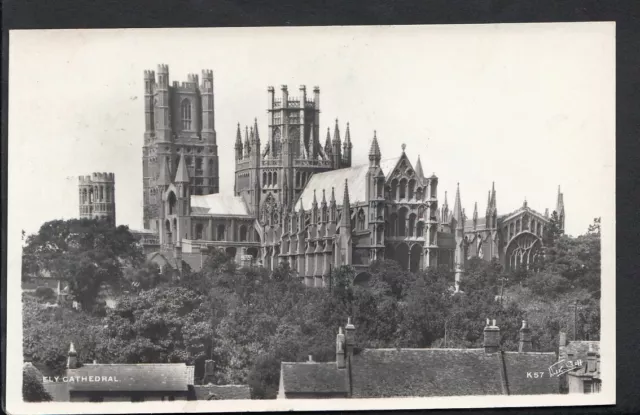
(421, 372)
(143, 377)
(424, 372)
(587, 352)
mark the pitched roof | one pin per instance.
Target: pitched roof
(517, 365)
(218, 204)
(356, 177)
(59, 391)
(313, 377)
(222, 392)
(130, 377)
(379, 373)
(425, 372)
(578, 349)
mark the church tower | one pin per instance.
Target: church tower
(179, 123)
(97, 196)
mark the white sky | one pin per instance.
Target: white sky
(530, 107)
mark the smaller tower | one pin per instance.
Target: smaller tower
(97, 196)
(560, 210)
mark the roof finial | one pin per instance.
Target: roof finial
(403, 147)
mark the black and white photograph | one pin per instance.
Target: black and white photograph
(311, 218)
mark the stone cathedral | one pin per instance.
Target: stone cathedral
(297, 198)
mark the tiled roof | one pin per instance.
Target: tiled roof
(579, 349)
(356, 182)
(218, 204)
(222, 392)
(425, 372)
(518, 365)
(131, 377)
(59, 391)
(313, 377)
(379, 373)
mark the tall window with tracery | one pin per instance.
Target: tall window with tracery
(186, 114)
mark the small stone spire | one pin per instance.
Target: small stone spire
(374, 151)
(256, 137)
(315, 200)
(475, 212)
(182, 175)
(327, 144)
(336, 133)
(347, 139)
(419, 171)
(238, 145)
(457, 210)
(345, 220)
(324, 199)
(164, 178)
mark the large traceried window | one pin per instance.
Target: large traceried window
(185, 108)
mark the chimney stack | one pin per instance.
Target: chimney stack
(491, 337)
(525, 338)
(340, 346)
(208, 372)
(563, 339)
(350, 336)
(72, 358)
(591, 359)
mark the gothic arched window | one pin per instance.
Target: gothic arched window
(243, 233)
(412, 184)
(361, 219)
(403, 189)
(185, 109)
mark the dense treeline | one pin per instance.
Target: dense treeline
(249, 320)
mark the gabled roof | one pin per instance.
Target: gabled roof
(425, 372)
(517, 365)
(356, 177)
(222, 392)
(218, 204)
(155, 377)
(313, 377)
(379, 373)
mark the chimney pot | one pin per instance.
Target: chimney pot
(491, 338)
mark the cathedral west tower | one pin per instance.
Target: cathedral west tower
(179, 122)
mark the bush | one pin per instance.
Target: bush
(45, 293)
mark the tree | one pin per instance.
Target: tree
(48, 332)
(162, 325)
(32, 388)
(87, 253)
